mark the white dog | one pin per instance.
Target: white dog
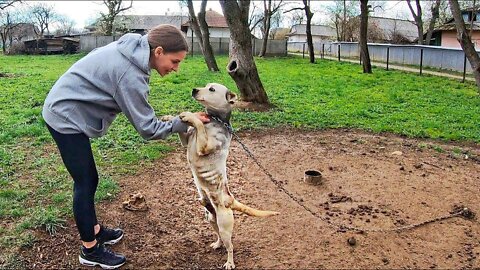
(207, 151)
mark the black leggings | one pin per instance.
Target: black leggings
(77, 156)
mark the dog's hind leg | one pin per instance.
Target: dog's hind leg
(225, 229)
(211, 216)
(212, 219)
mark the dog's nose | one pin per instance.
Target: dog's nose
(194, 91)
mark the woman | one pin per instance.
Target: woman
(86, 99)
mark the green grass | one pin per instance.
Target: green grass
(35, 188)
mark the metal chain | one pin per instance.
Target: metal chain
(465, 212)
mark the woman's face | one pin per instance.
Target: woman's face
(165, 63)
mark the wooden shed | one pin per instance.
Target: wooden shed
(64, 45)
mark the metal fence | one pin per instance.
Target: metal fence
(219, 45)
(407, 55)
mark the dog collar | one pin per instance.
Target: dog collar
(227, 125)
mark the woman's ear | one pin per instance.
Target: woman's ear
(158, 50)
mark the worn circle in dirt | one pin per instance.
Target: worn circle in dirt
(367, 186)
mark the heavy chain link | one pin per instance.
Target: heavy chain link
(461, 211)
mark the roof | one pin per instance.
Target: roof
(213, 19)
(146, 22)
(451, 26)
(317, 30)
(389, 26)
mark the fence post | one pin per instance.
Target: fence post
(323, 50)
(464, 67)
(338, 52)
(220, 46)
(192, 42)
(303, 51)
(421, 61)
(388, 56)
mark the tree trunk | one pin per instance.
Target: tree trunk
(309, 14)
(418, 19)
(364, 54)
(266, 26)
(200, 28)
(465, 41)
(242, 66)
(435, 14)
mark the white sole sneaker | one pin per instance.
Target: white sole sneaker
(104, 266)
(114, 241)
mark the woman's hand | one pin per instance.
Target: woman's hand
(202, 116)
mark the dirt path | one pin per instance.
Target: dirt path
(380, 190)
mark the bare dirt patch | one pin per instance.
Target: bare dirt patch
(365, 185)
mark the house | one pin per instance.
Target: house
(298, 33)
(446, 34)
(142, 23)
(389, 30)
(217, 25)
(279, 33)
(20, 32)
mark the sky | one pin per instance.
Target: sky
(84, 12)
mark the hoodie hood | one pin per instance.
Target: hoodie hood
(136, 49)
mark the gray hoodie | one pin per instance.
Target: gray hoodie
(107, 81)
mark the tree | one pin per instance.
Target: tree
(435, 9)
(42, 15)
(269, 11)
(200, 28)
(7, 3)
(465, 41)
(417, 16)
(115, 7)
(8, 25)
(241, 66)
(343, 15)
(364, 54)
(255, 18)
(308, 30)
(64, 25)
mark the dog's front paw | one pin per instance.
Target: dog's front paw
(229, 265)
(187, 117)
(166, 118)
(216, 245)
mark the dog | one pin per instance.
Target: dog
(207, 151)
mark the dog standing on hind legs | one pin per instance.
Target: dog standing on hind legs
(207, 151)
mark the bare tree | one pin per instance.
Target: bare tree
(435, 9)
(465, 41)
(308, 28)
(364, 54)
(64, 25)
(241, 66)
(42, 15)
(343, 15)
(115, 7)
(297, 17)
(200, 27)
(8, 25)
(255, 18)
(417, 16)
(269, 11)
(7, 3)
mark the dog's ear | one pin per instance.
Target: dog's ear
(231, 97)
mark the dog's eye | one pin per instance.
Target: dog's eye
(211, 89)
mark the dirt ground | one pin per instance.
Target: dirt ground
(369, 181)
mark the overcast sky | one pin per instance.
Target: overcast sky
(84, 12)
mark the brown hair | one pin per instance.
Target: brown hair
(168, 37)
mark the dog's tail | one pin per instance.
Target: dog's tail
(236, 205)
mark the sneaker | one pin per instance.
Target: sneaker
(101, 256)
(109, 236)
